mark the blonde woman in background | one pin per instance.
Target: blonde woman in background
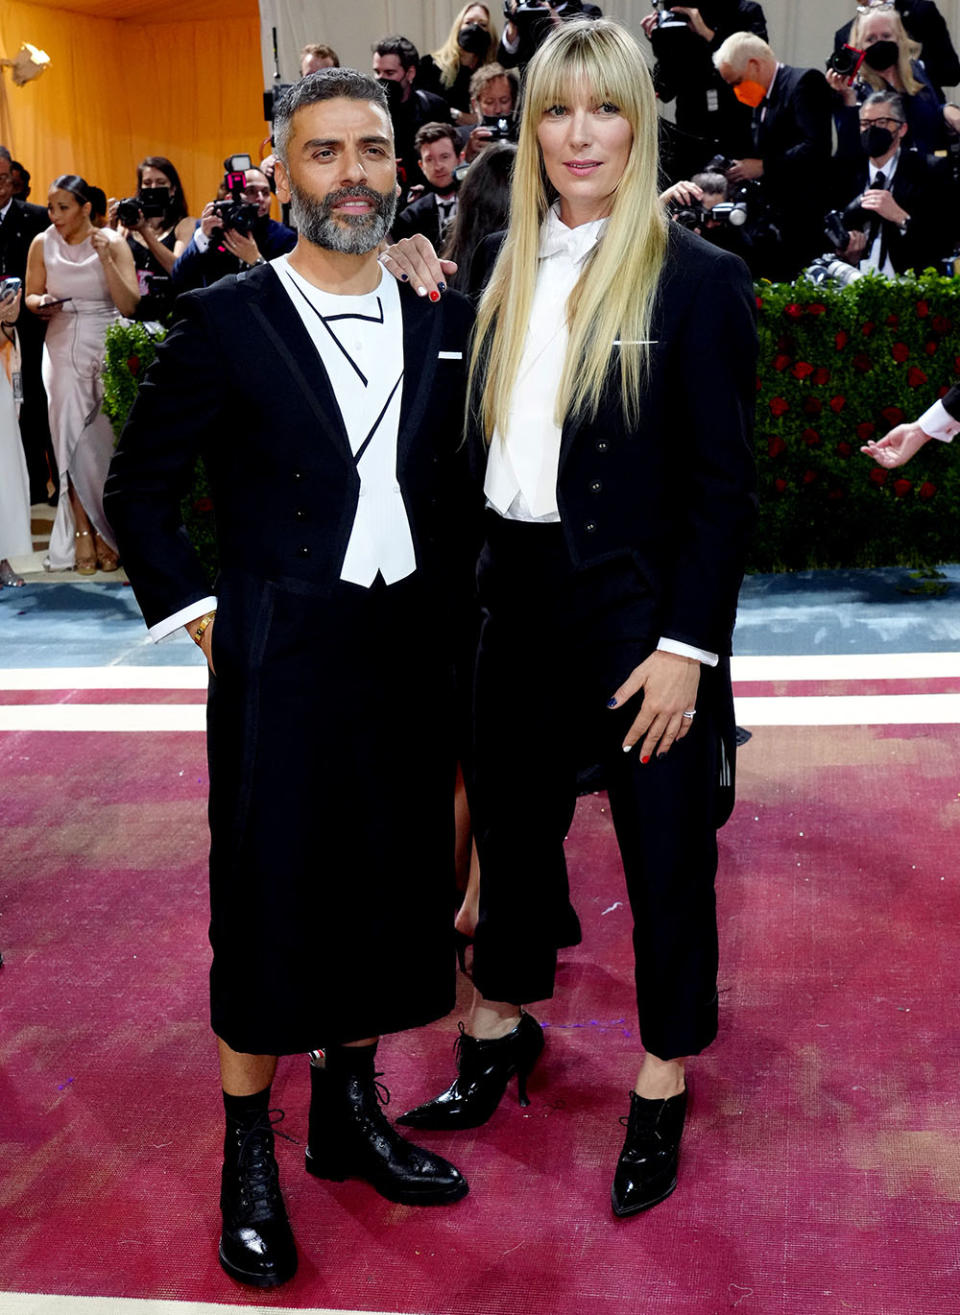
(613, 374)
(446, 72)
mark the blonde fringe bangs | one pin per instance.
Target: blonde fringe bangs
(615, 296)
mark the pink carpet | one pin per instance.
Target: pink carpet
(821, 1168)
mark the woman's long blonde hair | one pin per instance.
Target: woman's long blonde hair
(909, 50)
(615, 295)
(447, 58)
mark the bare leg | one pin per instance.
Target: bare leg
(244, 1075)
(86, 554)
(469, 911)
(490, 1019)
(659, 1079)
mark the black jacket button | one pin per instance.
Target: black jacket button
(590, 526)
(300, 514)
(595, 486)
(601, 445)
(303, 551)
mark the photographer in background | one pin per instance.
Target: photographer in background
(316, 56)
(494, 94)
(925, 25)
(894, 223)
(395, 63)
(157, 228)
(684, 39)
(234, 233)
(790, 154)
(471, 43)
(530, 22)
(432, 213)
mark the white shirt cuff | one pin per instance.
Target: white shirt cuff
(511, 47)
(170, 624)
(688, 650)
(200, 239)
(939, 423)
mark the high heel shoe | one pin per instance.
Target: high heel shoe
(107, 559)
(483, 1070)
(86, 565)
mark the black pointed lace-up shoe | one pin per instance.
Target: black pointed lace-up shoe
(256, 1245)
(350, 1136)
(647, 1169)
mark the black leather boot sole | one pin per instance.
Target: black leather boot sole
(646, 1171)
(484, 1069)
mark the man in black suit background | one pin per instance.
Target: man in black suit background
(792, 136)
(327, 402)
(395, 61)
(19, 224)
(925, 24)
(896, 213)
(434, 211)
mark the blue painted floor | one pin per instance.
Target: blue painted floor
(79, 624)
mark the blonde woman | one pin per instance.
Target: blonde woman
(612, 383)
(891, 63)
(471, 42)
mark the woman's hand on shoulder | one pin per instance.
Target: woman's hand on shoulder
(102, 240)
(413, 260)
(669, 682)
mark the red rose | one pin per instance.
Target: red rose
(901, 487)
(900, 351)
(892, 414)
(841, 340)
(868, 328)
(956, 365)
(835, 495)
(780, 485)
(781, 362)
(866, 430)
(941, 324)
(893, 320)
(793, 310)
(878, 475)
(809, 476)
(915, 377)
(811, 438)
(759, 383)
(203, 504)
(926, 490)
(816, 308)
(775, 445)
(923, 309)
(759, 303)
(942, 391)
(133, 364)
(778, 406)
(930, 348)
(837, 404)
(821, 376)
(803, 370)
(812, 406)
(844, 449)
(862, 362)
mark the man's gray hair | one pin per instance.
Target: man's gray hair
(325, 84)
(891, 98)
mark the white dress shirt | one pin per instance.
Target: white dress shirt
(939, 423)
(522, 465)
(871, 258)
(360, 342)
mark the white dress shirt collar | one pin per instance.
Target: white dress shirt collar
(577, 243)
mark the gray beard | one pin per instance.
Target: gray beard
(353, 235)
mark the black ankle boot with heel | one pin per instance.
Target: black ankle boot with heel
(256, 1244)
(483, 1070)
(350, 1136)
(647, 1168)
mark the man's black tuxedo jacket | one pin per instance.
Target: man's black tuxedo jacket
(421, 216)
(239, 381)
(21, 224)
(920, 191)
(951, 401)
(676, 494)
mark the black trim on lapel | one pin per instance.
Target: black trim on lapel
(422, 325)
(276, 315)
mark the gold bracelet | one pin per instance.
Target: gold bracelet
(204, 622)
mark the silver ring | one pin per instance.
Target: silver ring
(690, 715)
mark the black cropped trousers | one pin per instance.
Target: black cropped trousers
(555, 645)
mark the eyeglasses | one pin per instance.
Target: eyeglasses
(870, 123)
(876, 4)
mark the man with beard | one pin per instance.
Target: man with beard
(214, 251)
(327, 403)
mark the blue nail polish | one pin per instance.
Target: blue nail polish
(611, 703)
(442, 287)
(405, 277)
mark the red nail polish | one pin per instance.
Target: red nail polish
(434, 296)
(645, 760)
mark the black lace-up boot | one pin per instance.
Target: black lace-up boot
(647, 1169)
(350, 1136)
(256, 1245)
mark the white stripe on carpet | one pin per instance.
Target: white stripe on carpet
(35, 1303)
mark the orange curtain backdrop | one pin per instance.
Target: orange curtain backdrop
(119, 89)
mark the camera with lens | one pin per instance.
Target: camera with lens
(718, 164)
(667, 20)
(233, 212)
(830, 269)
(846, 61)
(688, 215)
(149, 203)
(839, 224)
(501, 127)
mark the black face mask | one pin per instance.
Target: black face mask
(881, 55)
(474, 39)
(876, 141)
(393, 92)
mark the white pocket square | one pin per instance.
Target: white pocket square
(635, 342)
(449, 356)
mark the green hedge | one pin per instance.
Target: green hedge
(837, 366)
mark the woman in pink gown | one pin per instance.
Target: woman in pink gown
(80, 279)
